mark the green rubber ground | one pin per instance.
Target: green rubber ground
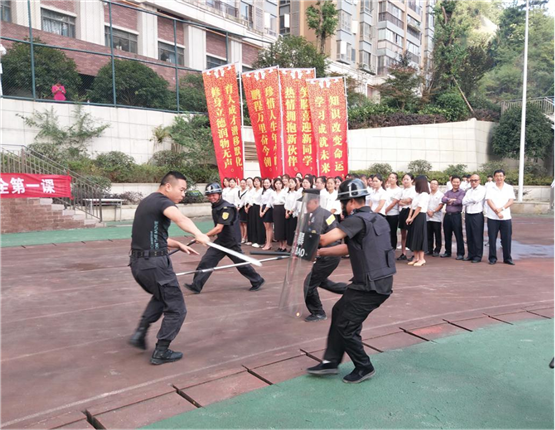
(496, 377)
(113, 231)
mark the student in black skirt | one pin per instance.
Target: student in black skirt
(407, 195)
(291, 205)
(417, 238)
(266, 211)
(258, 237)
(279, 214)
(248, 210)
(240, 203)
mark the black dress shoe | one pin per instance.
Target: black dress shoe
(445, 255)
(435, 254)
(138, 340)
(258, 286)
(402, 257)
(359, 375)
(428, 253)
(492, 262)
(509, 262)
(476, 261)
(460, 257)
(323, 369)
(410, 259)
(190, 288)
(316, 317)
(467, 259)
(162, 356)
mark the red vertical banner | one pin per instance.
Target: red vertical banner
(224, 111)
(262, 91)
(299, 150)
(328, 112)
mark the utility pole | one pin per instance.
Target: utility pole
(523, 121)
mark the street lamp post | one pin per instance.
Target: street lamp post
(523, 120)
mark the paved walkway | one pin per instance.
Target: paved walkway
(496, 377)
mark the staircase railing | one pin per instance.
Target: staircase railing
(546, 104)
(86, 195)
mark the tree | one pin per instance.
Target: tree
(51, 66)
(193, 134)
(420, 167)
(400, 87)
(136, 85)
(192, 97)
(539, 135)
(292, 52)
(323, 19)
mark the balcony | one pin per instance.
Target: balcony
(413, 4)
(386, 16)
(413, 57)
(225, 8)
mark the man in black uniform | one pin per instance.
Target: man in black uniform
(152, 268)
(227, 228)
(373, 263)
(319, 220)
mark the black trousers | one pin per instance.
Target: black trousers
(475, 235)
(393, 221)
(434, 230)
(348, 314)
(213, 257)
(318, 277)
(506, 228)
(156, 276)
(290, 229)
(452, 223)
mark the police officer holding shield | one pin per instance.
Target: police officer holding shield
(373, 262)
(152, 268)
(226, 227)
(318, 220)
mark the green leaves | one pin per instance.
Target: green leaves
(323, 19)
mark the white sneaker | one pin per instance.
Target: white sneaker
(255, 245)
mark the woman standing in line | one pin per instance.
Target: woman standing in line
(266, 211)
(225, 188)
(407, 195)
(291, 211)
(280, 195)
(259, 235)
(232, 194)
(307, 183)
(240, 203)
(378, 196)
(417, 238)
(250, 214)
(329, 199)
(338, 181)
(394, 193)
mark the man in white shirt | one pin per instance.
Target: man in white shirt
(465, 184)
(473, 202)
(434, 216)
(449, 184)
(499, 200)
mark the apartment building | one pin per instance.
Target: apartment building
(370, 36)
(194, 34)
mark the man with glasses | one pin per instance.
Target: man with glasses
(473, 201)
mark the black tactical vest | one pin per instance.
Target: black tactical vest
(231, 233)
(372, 257)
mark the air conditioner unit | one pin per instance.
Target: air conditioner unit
(286, 23)
(354, 27)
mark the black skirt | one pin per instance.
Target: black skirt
(417, 238)
(259, 230)
(290, 229)
(269, 215)
(403, 215)
(251, 224)
(279, 222)
(243, 216)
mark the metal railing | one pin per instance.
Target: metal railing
(86, 194)
(546, 104)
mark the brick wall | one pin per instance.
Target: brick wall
(250, 54)
(165, 30)
(21, 215)
(215, 44)
(62, 5)
(121, 17)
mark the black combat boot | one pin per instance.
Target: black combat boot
(138, 340)
(162, 354)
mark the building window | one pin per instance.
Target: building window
(384, 64)
(345, 21)
(57, 23)
(270, 23)
(122, 40)
(364, 60)
(245, 10)
(366, 6)
(365, 32)
(167, 53)
(284, 24)
(5, 11)
(387, 34)
(345, 52)
(212, 62)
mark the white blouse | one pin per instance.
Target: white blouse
(291, 202)
(373, 200)
(231, 196)
(279, 198)
(329, 201)
(421, 200)
(255, 196)
(242, 198)
(407, 193)
(393, 194)
(267, 198)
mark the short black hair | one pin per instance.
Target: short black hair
(172, 176)
(499, 171)
(490, 176)
(455, 177)
(322, 178)
(434, 179)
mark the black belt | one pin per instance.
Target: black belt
(452, 213)
(148, 253)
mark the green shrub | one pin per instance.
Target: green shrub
(441, 177)
(454, 106)
(171, 159)
(383, 169)
(535, 169)
(491, 166)
(419, 167)
(457, 169)
(201, 173)
(194, 196)
(147, 173)
(192, 97)
(115, 165)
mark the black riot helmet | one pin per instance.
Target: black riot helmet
(213, 188)
(351, 189)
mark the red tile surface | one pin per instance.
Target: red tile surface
(52, 422)
(286, 369)
(77, 425)
(437, 331)
(392, 341)
(224, 388)
(543, 312)
(517, 316)
(476, 323)
(145, 412)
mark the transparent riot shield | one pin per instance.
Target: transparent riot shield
(303, 253)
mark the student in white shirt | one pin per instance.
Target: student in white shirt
(258, 237)
(417, 238)
(225, 188)
(434, 218)
(465, 184)
(231, 195)
(449, 184)
(240, 204)
(407, 195)
(473, 202)
(266, 212)
(498, 211)
(291, 212)
(278, 204)
(329, 200)
(248, 211)
(321, 183)
(392, 206)
(378, 196)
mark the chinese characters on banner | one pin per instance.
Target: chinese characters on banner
(298, 141)
(224, 111)
(23, 185)
(262, 91)
(328, 111)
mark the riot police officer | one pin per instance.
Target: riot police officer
(152, 268)
(226, 226)
(319, 220)
(373, 262)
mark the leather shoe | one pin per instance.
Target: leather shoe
(445, 255)
(323, 369)
(435, 254)
(401, 257)
(316, 317)
(257, 287)
(492, 262)
(163, 356)
(138, 340)
(190, 288)
(359, 375)
(476, 261)
(509, 262)
(467, 259)
(460, 257)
